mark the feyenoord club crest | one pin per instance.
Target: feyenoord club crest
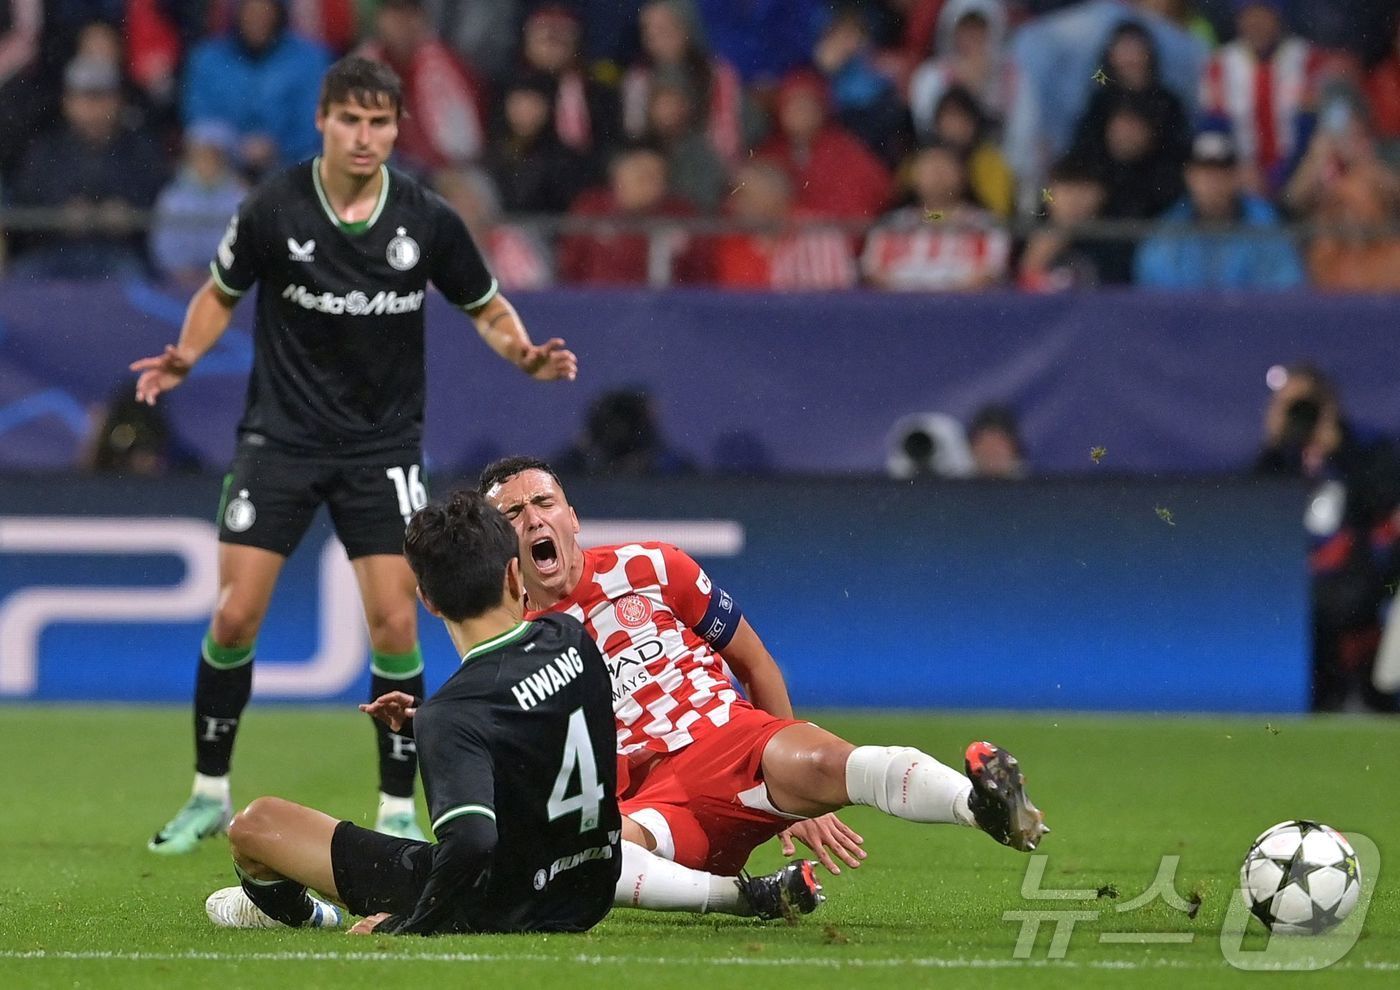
(403, 251)
(240, 513)
(633, 611)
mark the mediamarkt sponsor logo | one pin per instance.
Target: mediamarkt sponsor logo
(355, 303)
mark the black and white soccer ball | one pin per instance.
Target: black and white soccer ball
(1300, 878)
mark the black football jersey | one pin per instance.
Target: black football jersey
(338, 333)
(523, 731)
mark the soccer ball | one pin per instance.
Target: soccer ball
(1300, 878)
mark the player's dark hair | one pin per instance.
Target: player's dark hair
(364, 81)
(459, 550)
(499, 472)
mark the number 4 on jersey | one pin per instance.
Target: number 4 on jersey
(578, 752)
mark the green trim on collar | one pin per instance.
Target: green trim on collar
(516, 632)
(358, 226)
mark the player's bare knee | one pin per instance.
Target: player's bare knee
(828, 764)
(251, 825)
(394, 631)
(234, 624)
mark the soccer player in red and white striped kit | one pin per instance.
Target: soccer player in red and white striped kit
(705, 774)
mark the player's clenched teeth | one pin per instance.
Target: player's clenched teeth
(545, 555)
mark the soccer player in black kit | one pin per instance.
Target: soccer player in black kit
(519, 763)
(520, 781)
(341, 249)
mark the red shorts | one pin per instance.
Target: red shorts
(707, 804)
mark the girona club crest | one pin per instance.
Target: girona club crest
(633, 611)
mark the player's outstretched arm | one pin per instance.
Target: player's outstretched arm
(206, 319)
(501, 327)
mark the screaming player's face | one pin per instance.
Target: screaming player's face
(357, 139)
(547, 527)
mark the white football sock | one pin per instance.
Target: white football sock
(389, 804)
(908, 784)
(655, 884)
(212, 787)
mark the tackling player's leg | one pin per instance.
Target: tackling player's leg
(809, 771)
(653, 883)
(223, 684)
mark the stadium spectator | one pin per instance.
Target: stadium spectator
(1058, 255)
(622, 437)
(970, 51)
(626, 255)
(832, 171)
(1143, 176)
(190, 211)
(1198, 249)
(671, 42)
(336, 24)
(516, 255)
(1057, 56)
(994, 440)
(133, 439)
(443, 112)
(1183, 14)
(1263, 87)
(534, 171)
(1354, 197)
(97, 174)
(1383, 94)
(1352, 521)
(698, 174)
(777, 250)
(942, 242)
(585, 112)
(764, 41)
(21, 91)
(475, 29)
(1130, 65)
(263, 81)
(958, 122)
(863, 97)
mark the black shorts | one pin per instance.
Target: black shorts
(376, 872)
(269, 499)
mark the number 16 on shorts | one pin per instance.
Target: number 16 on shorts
(408, 486)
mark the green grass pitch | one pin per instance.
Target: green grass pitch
(82, 904)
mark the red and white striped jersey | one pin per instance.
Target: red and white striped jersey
(642, 603)
(1262, 101)
(962, 251)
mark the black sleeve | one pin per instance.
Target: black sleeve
(461, 864)
(458, 269)
(237, 261)
(459, 777)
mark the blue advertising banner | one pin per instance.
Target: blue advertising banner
(807, 382)
(1110, 595)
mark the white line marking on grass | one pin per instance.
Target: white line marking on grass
(597, 960)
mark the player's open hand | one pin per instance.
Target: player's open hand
(161, 373)
(366, 926)
(824, 836)
(393, 709)
(550, 361)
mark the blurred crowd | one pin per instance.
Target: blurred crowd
(926, 145)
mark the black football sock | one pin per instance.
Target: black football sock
(281, 900)
(221, 691)
(398, 755)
